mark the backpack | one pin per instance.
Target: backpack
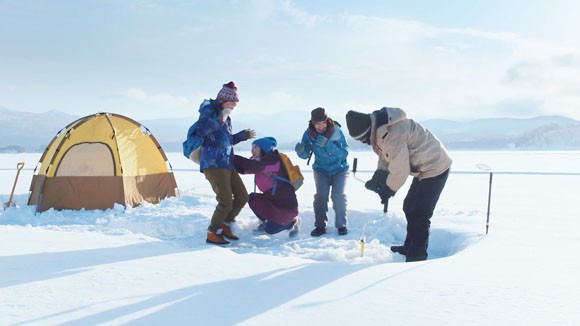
(192, 145)
(295, 177)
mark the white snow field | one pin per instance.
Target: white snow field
(150, 265)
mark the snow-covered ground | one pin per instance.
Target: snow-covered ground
(150, 265)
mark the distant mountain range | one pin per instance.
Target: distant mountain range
(544, 132)
(31, 132)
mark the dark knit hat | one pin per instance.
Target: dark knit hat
(359, 124)
(317, 115)
(228, 93)
(266, 144)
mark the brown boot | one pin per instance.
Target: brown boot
(215, 238)
(227, 232)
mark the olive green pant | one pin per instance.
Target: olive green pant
(230, 193)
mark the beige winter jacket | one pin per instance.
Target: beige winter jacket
(406, 148)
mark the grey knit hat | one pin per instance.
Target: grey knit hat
(358, 124)
(228, 93)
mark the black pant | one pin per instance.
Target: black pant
(418, 207)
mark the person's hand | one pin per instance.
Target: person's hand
(299, 148)
(321, 141)
(385, 193)
(370, 185)
(250, 133)
(378, 184)
(377, 181)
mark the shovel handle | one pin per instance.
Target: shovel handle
(19, 167)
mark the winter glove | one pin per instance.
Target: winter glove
(321, 141)
(379, 179)
(299, 148)
(378, 184)
(333, 146)
(385, 193)
(250, 133)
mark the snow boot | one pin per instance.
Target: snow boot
(404, 248)
(342, 231)
(259, 229)
(416, 252)
(294, 229)
(318, 232)
(399, 249)
(216, 239)
(227, 232)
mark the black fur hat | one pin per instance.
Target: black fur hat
(318, 114)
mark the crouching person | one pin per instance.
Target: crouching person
(276, 206)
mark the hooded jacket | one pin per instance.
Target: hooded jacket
(218, 143)
(405, 147)
(284, 196)
(330, 158)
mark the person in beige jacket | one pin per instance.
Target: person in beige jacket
(404, 148)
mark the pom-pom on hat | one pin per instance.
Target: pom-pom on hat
(359, 124)
(228, 93)
(318, 114)
(266, 144)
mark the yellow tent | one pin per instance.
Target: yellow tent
(100, 160)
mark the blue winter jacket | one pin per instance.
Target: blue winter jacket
(218, 143)
(330, 159)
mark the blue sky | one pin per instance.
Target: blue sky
(160, 59)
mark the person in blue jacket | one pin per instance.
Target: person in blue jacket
(216, 161)
(325, 140)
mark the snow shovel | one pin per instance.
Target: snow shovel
(10, 203)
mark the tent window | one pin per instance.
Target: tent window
(87, 159)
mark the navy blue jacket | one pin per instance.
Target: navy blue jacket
(218, 143)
